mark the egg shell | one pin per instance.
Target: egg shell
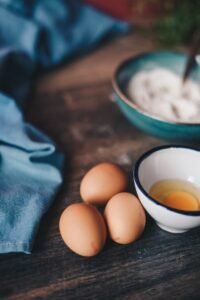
(83, 229)
(125, 218)
(102, 182)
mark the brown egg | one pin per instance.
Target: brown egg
(102, 182)
(83, 229)
(125, 218)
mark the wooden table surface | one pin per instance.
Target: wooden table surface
(72, 105)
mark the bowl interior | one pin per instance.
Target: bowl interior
(169, 163)
(171, 60)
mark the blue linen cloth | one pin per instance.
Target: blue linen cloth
(35, 34)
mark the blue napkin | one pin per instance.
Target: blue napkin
(35, 35)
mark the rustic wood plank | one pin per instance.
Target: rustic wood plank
(73, 106)
(98, 66)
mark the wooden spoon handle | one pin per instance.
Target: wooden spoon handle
(191, 58)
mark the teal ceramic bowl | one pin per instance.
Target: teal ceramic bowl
(145, 121)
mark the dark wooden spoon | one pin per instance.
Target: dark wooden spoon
(191, 57)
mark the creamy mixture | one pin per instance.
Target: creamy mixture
(162, 93)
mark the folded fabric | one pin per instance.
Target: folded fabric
(35, 34)
(42, 34)
(29, 178)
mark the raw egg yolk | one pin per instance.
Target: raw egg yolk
(181, 200)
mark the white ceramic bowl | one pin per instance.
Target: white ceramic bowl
(168, 162)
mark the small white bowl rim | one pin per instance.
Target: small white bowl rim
(139, 185)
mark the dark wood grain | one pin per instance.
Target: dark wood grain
(73, 106)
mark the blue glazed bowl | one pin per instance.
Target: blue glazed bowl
(145, 121)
